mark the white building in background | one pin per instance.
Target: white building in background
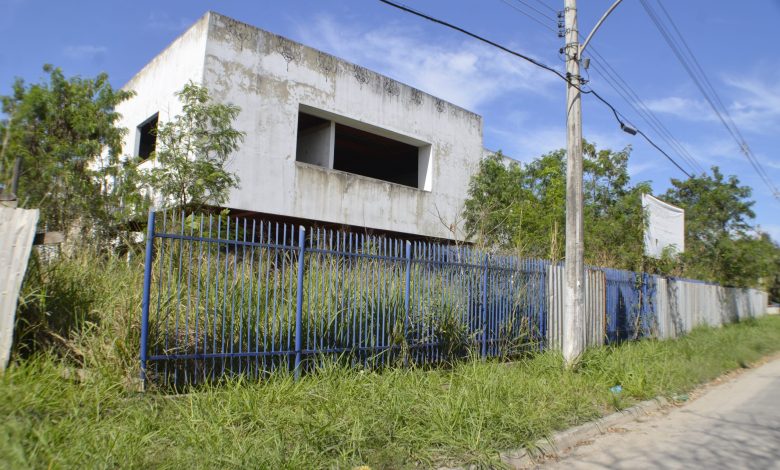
(326, 140)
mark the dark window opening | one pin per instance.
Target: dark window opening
(148, 137)
(314, 145)
(367, 154)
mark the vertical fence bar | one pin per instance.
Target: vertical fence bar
(146, 294)
(299, 301)
(407, 293)
(408, 287)
(484, 309)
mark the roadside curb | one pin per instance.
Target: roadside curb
(560, 442)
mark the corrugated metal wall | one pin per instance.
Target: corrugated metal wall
(595, 307)
(665, 308)
(683, 304)
(17, 230)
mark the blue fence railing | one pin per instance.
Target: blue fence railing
(629, 304)
(226, 295)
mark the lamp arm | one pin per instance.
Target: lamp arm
(595, 28)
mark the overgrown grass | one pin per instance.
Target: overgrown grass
(342, 418)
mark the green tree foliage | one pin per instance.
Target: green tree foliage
(721, 245)
(192, 151)
(523, 207)
(63, 131)
(514, 207)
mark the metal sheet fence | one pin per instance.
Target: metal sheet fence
(17, 229)
(684, 304)
(226, 296)
(593, 333)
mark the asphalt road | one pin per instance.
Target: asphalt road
(731, 426)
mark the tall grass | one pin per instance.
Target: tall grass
(237, 297)
(341, 417)
(83, 308)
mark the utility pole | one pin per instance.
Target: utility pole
(574, 292)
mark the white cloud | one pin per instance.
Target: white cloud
(460, 71)
(82, 52)
(525, 144)
(754, 104)
(757, 107)
(635, 168)
(681, 107)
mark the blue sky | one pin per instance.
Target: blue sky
(523, 107)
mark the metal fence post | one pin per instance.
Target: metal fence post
(484, 308)
(407, 292)
(299, 307)
(146, 293)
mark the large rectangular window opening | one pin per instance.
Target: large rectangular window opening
(371, 155)
(334, 145)
(147, 137)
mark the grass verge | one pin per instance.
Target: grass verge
(344, 418)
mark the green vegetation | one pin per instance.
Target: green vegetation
(340, 417)
(68, 399)
(192, 150)
(62, 135)
(522, 208)
(720, 243)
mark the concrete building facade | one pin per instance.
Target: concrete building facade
(326, 140)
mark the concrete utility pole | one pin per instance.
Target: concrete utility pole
(574, 292)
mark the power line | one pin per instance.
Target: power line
(475, 36)
(622, 88)
(617, 83)
(540, 2)
(741, 140)
(533, 61)
(623, 94)
(619, 117)
(536, 10)
(523, 12)
(695, 71)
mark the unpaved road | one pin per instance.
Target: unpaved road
(731, 426)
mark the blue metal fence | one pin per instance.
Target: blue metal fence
(226, 295)
(630, 305)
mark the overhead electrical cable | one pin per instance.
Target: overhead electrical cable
(536, 10)
(535, 62)
(523, 12)
(475, 36)
(620, 118)
(700, 79)
(622, 88)
(540, 2)
(635, 103)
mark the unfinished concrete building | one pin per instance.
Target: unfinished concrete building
(326, 141)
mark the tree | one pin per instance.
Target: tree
(510, 206)
(63, 134)
(720, 243)
(192, 151)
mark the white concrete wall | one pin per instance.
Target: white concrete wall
(270, 77)
(156, 84)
